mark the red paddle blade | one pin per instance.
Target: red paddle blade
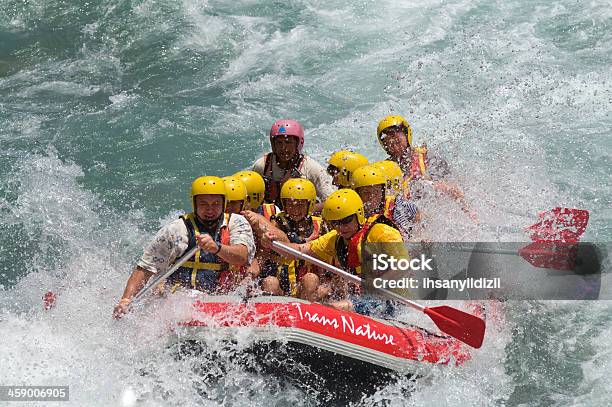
(551, 255)
(466, 327)
(559, 224)
(49, 300)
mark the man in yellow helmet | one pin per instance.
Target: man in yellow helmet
(395, 136)
(343, 211)
(342, 164)
(287, 161)
(298, 225)
(236, 195)
(224, 240)
(394, 174)
(258, 214)
(371, 185)
(256, 188)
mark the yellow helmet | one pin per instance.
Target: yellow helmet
(300, 188)
(393, 172)
(342, 203)
(347, 162)
(235, 189)
(391, 121)
(255, 186)
(207, 185)
(368, 175)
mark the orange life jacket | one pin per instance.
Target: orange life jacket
(267, 210)
(349, 257)
(418, 163)
(416, 170)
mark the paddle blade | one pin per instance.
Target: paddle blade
(49, 300)
(466, 327)
(551, 255)
(559, 224)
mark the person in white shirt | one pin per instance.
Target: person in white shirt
(226, 246)
(287, 161)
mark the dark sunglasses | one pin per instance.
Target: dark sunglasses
(393, 129)
(344, 221)
(332, 170)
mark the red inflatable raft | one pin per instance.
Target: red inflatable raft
(381, 342)
(350, 353)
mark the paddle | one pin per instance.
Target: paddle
(559, 225)
(577, 258)
(552, 255)
(162, 276)
(50, 297)
(458, 324)
(555, 239)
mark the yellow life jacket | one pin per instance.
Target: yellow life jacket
(389, 207)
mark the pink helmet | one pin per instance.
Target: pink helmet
(288, 127)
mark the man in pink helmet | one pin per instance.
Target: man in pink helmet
(287, 161)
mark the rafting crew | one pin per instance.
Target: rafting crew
(378, 185)
(225, 241)
(288, 161)
(342, 247)
(235, 219)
